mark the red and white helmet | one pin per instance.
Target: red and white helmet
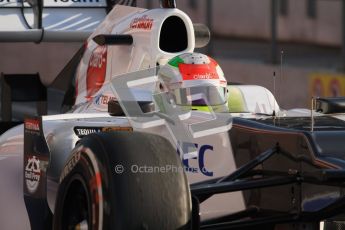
(195, 80)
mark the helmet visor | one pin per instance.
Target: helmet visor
(200, 96)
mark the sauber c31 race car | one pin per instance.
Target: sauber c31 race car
(138, 149)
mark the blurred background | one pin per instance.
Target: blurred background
(298, 44)
(302, 41)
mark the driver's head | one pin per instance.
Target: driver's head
(195, 80)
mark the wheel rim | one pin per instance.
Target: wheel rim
(76, 212)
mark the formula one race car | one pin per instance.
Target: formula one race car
(148, 142)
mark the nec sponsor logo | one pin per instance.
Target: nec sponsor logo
(143, 22)
(200, 158)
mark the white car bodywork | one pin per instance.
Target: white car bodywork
(61, 139)
(215, 150)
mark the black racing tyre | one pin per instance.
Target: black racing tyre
(123, 180)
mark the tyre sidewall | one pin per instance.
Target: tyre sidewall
(81, 165)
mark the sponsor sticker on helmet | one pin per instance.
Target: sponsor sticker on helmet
(198, 72)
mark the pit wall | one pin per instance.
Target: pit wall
(251, 19)
(48, 59)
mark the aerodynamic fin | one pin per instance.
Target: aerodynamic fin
(113, 39)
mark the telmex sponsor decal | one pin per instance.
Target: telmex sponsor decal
(103, 99)
(143, 22)
(84, 131)
(32, 174)
(32, 124)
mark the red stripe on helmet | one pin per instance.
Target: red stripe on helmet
(198, 71)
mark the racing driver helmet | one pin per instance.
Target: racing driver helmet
(195, 81)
